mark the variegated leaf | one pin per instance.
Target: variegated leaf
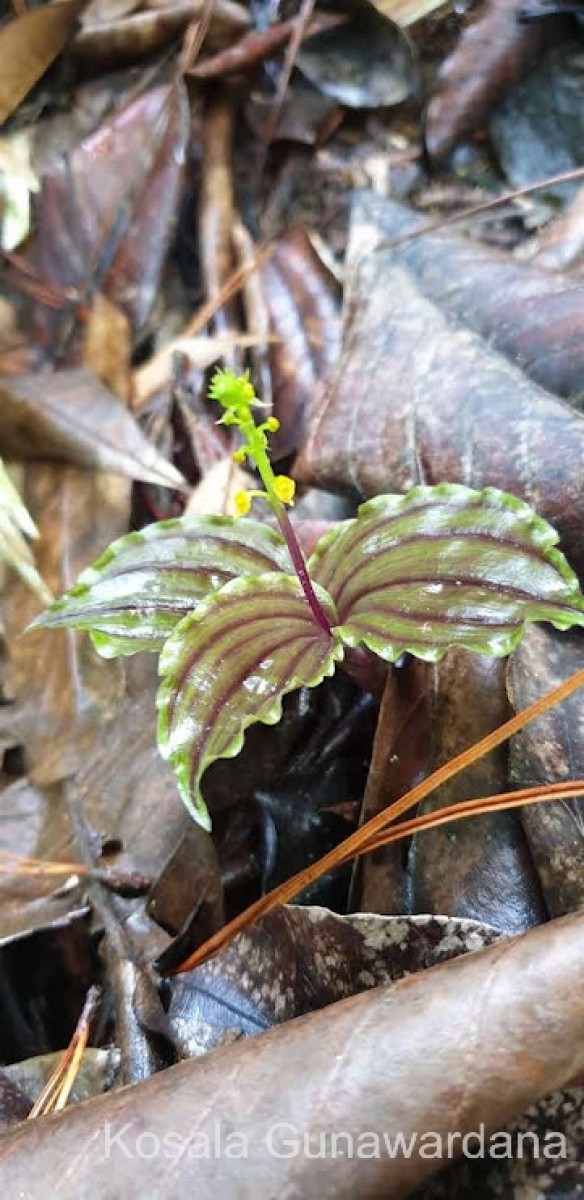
(445, 566)
(229, 664)
(132, 597)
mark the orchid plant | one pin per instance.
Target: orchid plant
(240, 618)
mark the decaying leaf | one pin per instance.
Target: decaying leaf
(561, 244)
(369, 1073)
(481, 868)
(303, 302)
(535, 320)
(300, 959)
(69, 416)
(407, 12)
(419, 398)
(539, 128)
(494, 51)
(15, 526)
(28, 45)
(116, 193)
(60, 688)
(549, 751)
(364, 63)
(134, 35)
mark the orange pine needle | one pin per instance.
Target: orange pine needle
(57, 1089)
(360, 841)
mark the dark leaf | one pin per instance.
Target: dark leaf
(297, 960)
(106, 213)
(480, 868)
(536, 320)
(441, 567)
(228, 665)
(303, 301)
(29, 44)
(505, 1026)
(539, 129)
(419, 399)
(551, 750)
(494, 51)
(134, 595)
(130, 38)
(365, 63)
(70, 416)
(561, 244)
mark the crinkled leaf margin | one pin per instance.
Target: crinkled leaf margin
(445, 566)
(229, 665)
(132, 597)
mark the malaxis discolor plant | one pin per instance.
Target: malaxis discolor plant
(240, 619)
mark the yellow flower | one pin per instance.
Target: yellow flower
(284, 488)
(272, 425)
(242, 502)
(239, 455)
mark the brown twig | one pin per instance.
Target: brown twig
(477, 209)
(252, 48)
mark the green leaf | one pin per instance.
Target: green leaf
(15, 524)
(134, 595)
(228, 665)
(445, 566)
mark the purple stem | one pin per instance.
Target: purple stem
(301, 570)
(363, 667)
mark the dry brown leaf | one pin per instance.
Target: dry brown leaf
(407, 12)
(107, 347)
(506, 1027)
(494, 51)
(106, 213)
(535, 319)
(551, 750)
(417, 398)
(71, 417)
(216, 491)
(28, 45)
(62, 689)
(481, 868)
